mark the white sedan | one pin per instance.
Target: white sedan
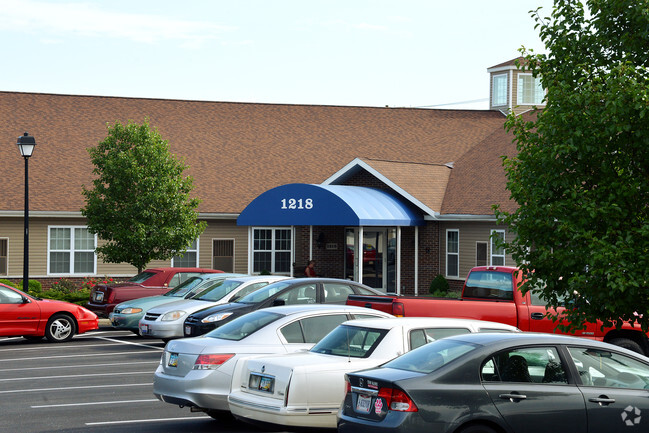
(166, 321)
(306, 389)
(197, 372)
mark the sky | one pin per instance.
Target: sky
(397, 53)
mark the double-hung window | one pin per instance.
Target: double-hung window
(189, 258)
(530, 91)
(497, 257)
(271, 250)
(452, 253)
(71, 250)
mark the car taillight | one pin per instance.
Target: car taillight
(397, 400)
(398, 309)
(211, 361)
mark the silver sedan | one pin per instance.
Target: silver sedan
(196, 372)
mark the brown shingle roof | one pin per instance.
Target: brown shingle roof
(235, 151)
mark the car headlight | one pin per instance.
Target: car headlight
(172, 315)
(216, 317)
(131, 310)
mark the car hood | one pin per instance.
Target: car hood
(182, 304)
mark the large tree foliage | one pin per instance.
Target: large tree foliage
(139, 203)
(581, 175)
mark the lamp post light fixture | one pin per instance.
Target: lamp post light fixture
(26, 145)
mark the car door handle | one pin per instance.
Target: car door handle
(537, 316)
(602, 400)
(513, 396)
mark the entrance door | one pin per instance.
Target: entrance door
(379, 257)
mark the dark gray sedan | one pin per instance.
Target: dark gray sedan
(497, 383)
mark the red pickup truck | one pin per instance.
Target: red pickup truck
(489, 293)
(150, 282)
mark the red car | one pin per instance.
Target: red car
(35, 318)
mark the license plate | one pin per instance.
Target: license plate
(144, 329)
(188, 330)
(262, 383)
(363, 403)
(173, 360)
(99, 296)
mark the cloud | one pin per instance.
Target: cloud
(54, 20)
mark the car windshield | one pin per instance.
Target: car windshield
(264, 293)
(243, 326)
(185, 287)
(217, 290)
(430, 357)
(350, 341)
(141, 277)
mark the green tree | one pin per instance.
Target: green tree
(581, 175)
(139, 203)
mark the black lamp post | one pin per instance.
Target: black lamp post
(26, 146)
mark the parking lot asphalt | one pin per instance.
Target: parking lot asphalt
(101, 381)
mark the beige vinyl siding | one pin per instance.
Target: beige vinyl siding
(470, 234)
(225, 229)
(12, 230)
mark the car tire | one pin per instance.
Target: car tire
(627, 343)
(60, 328)
(478, 428)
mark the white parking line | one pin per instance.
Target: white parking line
(130, 342)
(76, 375)
(148, 420)
(94, 403)
(79, 366)
(13, 391)
(77, 356)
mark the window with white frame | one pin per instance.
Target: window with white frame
(530, 91)
(189, 258)
(499, 90)
(71, 250)
(271, 250)
(497, 257)
(453, 253)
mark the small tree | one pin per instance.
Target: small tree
(581, 175)
(139, 203)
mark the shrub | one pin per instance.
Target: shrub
(8, 283)
(439, 286)
(66, 290)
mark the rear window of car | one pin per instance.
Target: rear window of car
(350, 341)
(243, 326)
(489, 284)
(141, 277)
(264, 293)
(431, 356)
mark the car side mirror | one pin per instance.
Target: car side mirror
(279, 302)
(25, 300)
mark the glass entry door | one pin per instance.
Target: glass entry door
(379, 257)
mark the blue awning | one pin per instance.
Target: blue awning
(299, 204)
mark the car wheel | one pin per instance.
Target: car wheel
(478, 428)
(60, 328)
(627, 344)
